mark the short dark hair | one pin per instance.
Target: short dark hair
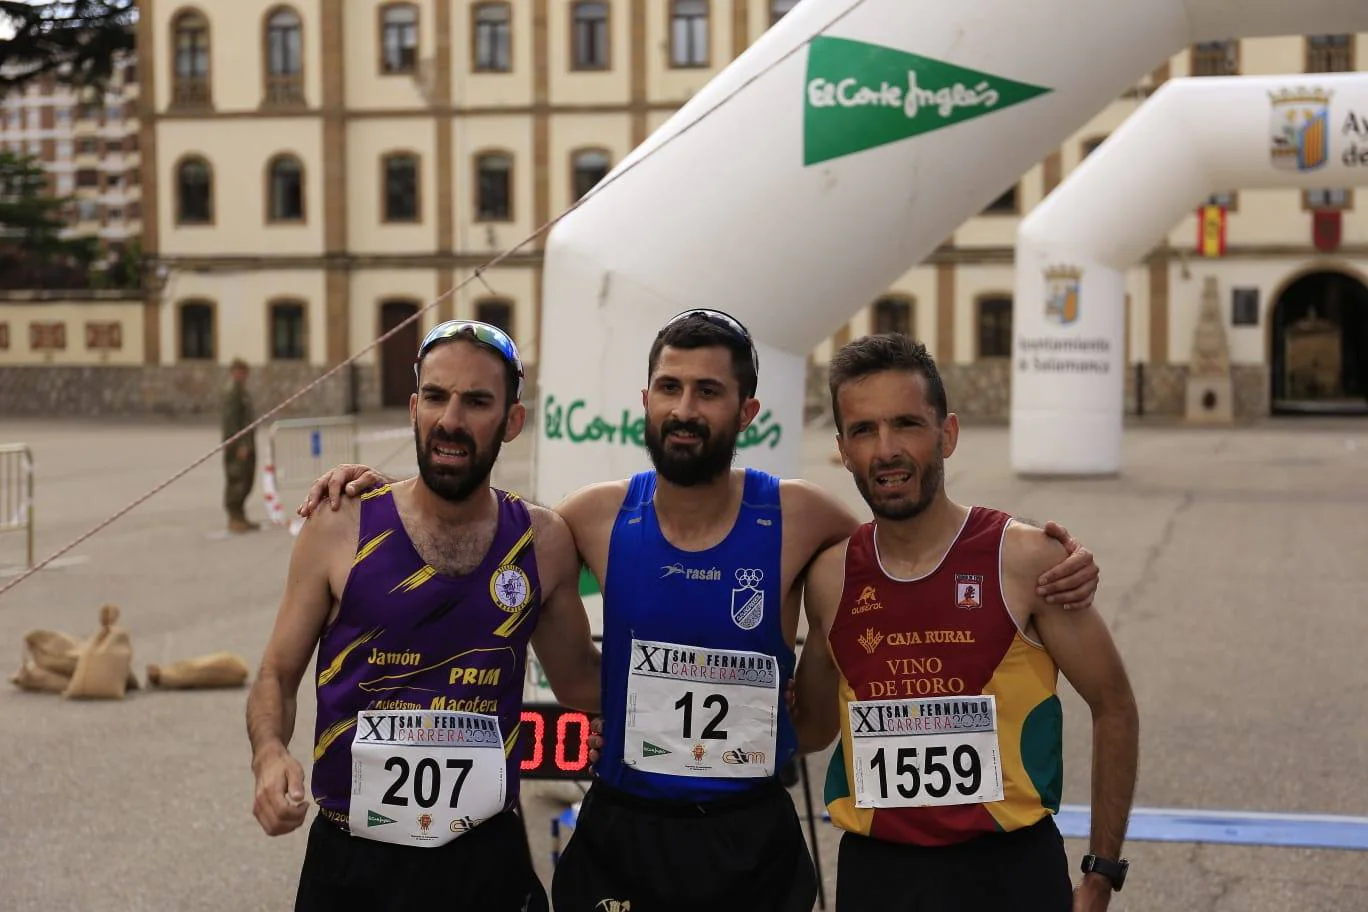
(884, 352)
(696, 331)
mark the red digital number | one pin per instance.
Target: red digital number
(582, 757)
(539, 735)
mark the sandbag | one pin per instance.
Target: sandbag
(35, 677)
(105, 663)
(53, 651)
(219, 669)
(56, 652)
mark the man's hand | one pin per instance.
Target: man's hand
(280, 806)
(354, 479)
(595, 738)
(1093, 894)
(1071, 583)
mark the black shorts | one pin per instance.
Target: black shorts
(1025, 870)
(488, 869)
(746, 852)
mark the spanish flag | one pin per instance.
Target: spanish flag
(1211, 231)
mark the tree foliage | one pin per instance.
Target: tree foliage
(77, 41)
(33, 252)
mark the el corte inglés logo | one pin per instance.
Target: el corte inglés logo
(860, 96)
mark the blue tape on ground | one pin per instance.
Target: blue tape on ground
(1313, 831)
(1319, 831)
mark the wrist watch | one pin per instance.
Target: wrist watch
(1115, 871)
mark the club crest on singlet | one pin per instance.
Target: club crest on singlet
(968, 590)
(510, 588)
(748, 602)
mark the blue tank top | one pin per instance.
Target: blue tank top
(655, 591)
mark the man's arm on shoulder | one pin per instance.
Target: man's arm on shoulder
(590, 513)
(1071, 581)
(815, 513)
(562, 639)
(816, 713)
(346, 479)
(304, 610)
(1081, 645)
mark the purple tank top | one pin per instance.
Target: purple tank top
(408, 637)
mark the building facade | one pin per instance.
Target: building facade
(89, 148)
(315, 172)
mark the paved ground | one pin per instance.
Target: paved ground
(1232, 565)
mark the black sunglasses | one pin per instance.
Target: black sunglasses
(723, 321)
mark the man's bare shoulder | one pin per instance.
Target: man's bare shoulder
(596, 501)
(818, 516)
(328, 541)
(801, 491)
(549, 527)
(345, 519)
(1027, 552)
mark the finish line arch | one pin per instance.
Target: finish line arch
(833, 155)
(1193, 137)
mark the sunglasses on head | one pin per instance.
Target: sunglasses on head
(483, 333)
(722, 321)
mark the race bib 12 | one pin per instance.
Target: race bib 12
(711, 713)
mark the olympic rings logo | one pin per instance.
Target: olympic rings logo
(750, 579)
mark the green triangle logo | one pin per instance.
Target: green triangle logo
(860, 96)
(374, 819)
(650, 750)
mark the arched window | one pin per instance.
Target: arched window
(780, 8)
(285, 189)
(493, 38)
(1089, 146)
(194, 192)
(399, 38)
(689, 33)
(190, 74)
(400, 197)
(196, 330)
(995, 326)
(494, 190)
(1215, 58)
(1329, 53)
(497, 312)
(284, 58)
(289, 331)
(1006, 204)
(589, 35)
(588, 167)
(893, 315)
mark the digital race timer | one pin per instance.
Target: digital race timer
(554, 742)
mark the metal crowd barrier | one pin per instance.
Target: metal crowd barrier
(16, 493)
(298, 450)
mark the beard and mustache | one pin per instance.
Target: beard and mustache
(899, 506)
(692, 464)
(456, 483)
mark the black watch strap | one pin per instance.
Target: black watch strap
(1115, 871)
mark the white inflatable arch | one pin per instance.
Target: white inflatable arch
(1193, 137)
(832, 156)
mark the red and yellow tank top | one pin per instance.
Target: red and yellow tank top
(947, 634)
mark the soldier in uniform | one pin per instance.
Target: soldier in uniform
(239, 459)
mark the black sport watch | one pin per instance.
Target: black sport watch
(1115, 871)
